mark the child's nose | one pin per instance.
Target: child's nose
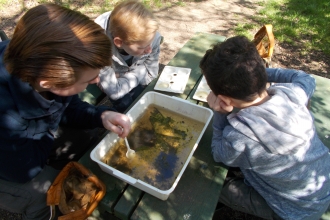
(95, 81)
(148, 50)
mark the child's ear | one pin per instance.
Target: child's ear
(225, 99)
(118, 42)
(44, 84)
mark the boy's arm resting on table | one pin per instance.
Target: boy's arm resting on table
(222, 149)
(116, 88)
(297, 77)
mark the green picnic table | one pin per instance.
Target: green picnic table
(196, 194)
(320, 107)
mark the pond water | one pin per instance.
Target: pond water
(162, 140)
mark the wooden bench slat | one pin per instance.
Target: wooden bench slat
(127, 202)
(320, 107)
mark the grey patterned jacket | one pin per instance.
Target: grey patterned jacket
(117, 80)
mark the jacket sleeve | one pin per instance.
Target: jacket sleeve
(218, 142)
(227, 145)
(114, 87)
(296, 77)
(81, 114)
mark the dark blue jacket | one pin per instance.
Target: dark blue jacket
(28, 122)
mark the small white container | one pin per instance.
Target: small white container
(202, 91)
(173, 79)
(175, 104)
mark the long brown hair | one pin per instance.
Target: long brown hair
(53, 43)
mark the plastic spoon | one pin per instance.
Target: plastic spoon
(130, 153)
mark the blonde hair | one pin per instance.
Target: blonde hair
(132, 22)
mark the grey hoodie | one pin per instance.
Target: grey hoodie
(119, 78)
(276, 146)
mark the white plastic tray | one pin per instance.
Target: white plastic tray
(202, 91)
(173, 79)
(175, 104)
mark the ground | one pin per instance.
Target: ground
(179, 23)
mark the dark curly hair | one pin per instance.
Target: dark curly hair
(235, 69)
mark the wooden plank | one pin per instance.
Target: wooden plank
(101, 214)
(127, 202)
(206, 42)
(320, 107)
(190, 55)
(197, 192)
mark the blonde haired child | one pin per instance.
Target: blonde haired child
(132, 29)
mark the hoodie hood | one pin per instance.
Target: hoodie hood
(281, 130)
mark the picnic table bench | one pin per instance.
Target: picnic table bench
(320, 107)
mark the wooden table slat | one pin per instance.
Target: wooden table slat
(125, 206)
(320, 106)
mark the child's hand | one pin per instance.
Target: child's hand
(217, 104)
(116, 122)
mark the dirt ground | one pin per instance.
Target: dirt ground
(179, 23)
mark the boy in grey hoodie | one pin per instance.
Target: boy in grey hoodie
(272, 138)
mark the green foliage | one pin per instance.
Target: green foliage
(298, 22)
(3, 4)
(180, 3)
(243, 29)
